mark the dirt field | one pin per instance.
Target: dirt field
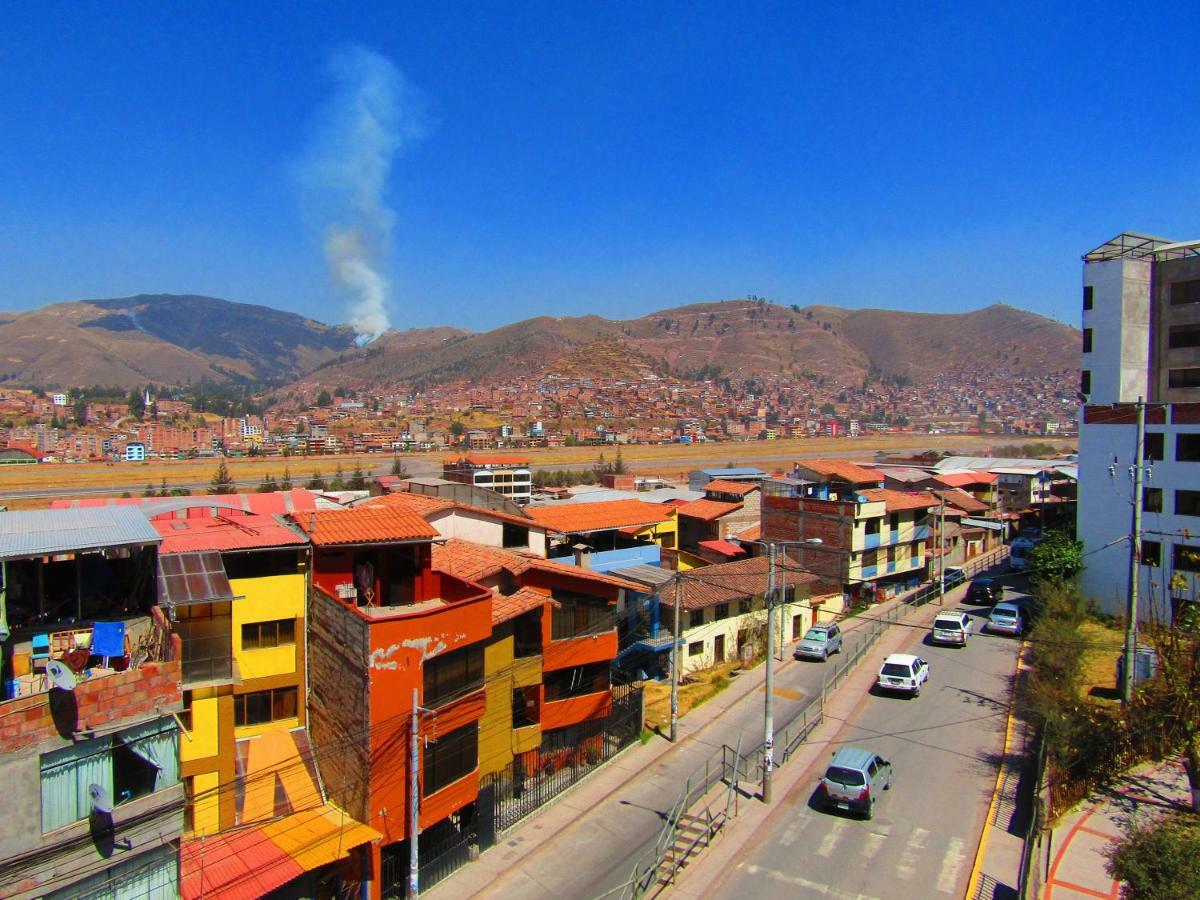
(35, 485)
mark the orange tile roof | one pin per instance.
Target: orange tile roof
(738, 580)
(427, 506)
(364, 525)
(958, 479)
(475, 562)
(753, 533)
(707, 510)
(521, 601)
(899, 500)
(580, 518)
(741, 488)
(843, 469)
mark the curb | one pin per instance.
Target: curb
(985, 836)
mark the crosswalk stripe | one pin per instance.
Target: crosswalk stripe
(952, 862)
(830, 841)
(800, 881)
(907, 867)
(872, 844)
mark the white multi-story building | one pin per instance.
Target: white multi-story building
(1141, 340)
(507, 475)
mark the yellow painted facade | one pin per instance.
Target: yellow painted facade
(265, 600)
(205, 728)
(503, 674)
(206, 817)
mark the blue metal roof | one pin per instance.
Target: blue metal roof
(47, 532)
(725, 473)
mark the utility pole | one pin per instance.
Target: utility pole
(675, 660)
(414, 799)
(768, 709)
(941, 549)
(1135, 555)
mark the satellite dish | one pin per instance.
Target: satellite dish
(101, 799)
(59, 675)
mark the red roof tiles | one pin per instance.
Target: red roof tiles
(738, 580)
(475, 562)
(219, 533)
(842, 469)
(363, 525)
(741, 488)
(708, 510)
(899, 500)
(580, 518)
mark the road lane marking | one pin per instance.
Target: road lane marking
(873, 842)
(830, 842)
(907, 867)
(816, 887)
(952, 863)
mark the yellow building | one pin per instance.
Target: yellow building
(243, 640)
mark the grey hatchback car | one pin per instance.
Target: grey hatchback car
(819, 642)
(854, 780)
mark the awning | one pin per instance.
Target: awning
(253, 861)
(187, 578)
(984, 523)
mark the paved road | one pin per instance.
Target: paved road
(627, 823)
(922, 840)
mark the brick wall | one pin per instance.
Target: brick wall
(151, 688)
(338, 702)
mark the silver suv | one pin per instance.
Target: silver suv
(819, 642)
(951, 628)
(854, 779)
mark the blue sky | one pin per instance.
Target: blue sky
(612, 158)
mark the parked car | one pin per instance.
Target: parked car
(819, 642)
(1018, 553)
(951, 628)
(904, 673)
(984, 591)
(1006, 618)
(853, 781)
(953, 577)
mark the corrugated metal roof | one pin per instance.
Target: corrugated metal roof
(45, 532)
(242, 531)
(651, 576)
(187, 578)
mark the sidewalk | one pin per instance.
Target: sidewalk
(704, 870)
(563, 838)
(1080, 839)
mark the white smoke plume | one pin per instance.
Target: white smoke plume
(372, 113)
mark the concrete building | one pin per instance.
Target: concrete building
(507, 475)
(1141, 339)
(89, 741)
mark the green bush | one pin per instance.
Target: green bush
(1159, 861)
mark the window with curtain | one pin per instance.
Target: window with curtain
(129, 764)
(153, 875)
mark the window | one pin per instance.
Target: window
(721, 612)
(449, 758)
(744, 606)
(1152, 500)
(452, 675)
(524, 709)
(894, 521)
(1152, 553)
(261, 635)
(515, 535)
(1085, 382)
(577, 681)
(206, 633)
(1183, 378)
(1187, 503)
(527, 634)
(1185, 292)
(1153, 449)
(259, 707)
(695, 618)
(1087, 296)
(1183, 336)
(578, 615)
(1185, 558)
(262, 564)
(872, 526)
(129, 764)
(1087, 340)
(1187, 447)
(696, 648)
(154, 873)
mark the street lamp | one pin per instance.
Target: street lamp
(769, 706)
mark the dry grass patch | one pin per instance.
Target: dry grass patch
(697, 689)
(1098, 667)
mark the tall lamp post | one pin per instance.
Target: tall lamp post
(769, 706)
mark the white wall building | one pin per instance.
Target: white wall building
(1141, 339)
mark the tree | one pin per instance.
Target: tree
(136, 403)
(222, 482)
(79, 411)
(1158, 861)
(316, 482)
(456, 429)
(1176, 692)
(358, 481)
(338, 482)
(323, 398)
(149, 491)
(285, 483)
(267, 485)
(1058, 558)
(163, 490)
(618, 466)
(398, 468)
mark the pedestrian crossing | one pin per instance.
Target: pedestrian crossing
(931, 864)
